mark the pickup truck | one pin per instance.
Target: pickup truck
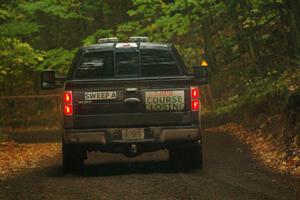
(130, 98)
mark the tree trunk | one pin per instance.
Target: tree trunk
(294, 8)
(208, 46)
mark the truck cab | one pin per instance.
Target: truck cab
(130, 97)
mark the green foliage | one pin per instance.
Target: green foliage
(58, 60)
(15, 24)
(273, 91)
(19, 29)
(17, 57)
(166, 22)
(93, 39)
(61, 9)
(190, 55)
(129, 29)
(241, 35)
(252, 46)
(149, 9)
(4, 14)
(27, 26)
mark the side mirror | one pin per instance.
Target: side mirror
(48, 80)
(201, 74)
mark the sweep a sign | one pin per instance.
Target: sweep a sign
(164, 100)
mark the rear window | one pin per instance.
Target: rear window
(127, 64)
(95, 65)
(158, 63)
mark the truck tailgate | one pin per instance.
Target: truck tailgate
(131, 102)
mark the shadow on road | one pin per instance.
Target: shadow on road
(35, 136)
(113, 169)
(124, 168)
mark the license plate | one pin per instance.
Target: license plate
(133, 134)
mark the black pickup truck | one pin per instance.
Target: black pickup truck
(130, 98)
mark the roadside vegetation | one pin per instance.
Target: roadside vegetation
(252, 47)
(16, 158)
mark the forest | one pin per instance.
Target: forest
(252, 48)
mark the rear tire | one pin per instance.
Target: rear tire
(187, 157)
(73, 158)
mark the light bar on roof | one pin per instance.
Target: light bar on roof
(138, 39)
(108, 40)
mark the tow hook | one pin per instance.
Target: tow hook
(133, 149)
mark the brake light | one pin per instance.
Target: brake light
(68, 97)
(68, 103)
(68, 110)
(194, 92)
(195, 104)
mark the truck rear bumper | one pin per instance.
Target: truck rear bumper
(113, 135)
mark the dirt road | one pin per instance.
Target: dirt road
(229, 173)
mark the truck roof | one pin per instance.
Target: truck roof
(139, 45)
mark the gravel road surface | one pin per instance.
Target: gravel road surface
(229, 172)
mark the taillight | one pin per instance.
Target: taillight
(68, 110)
(68, 97)
(68, 103)
(194, 92)
(195, 104)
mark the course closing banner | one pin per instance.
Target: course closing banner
(164, 100)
